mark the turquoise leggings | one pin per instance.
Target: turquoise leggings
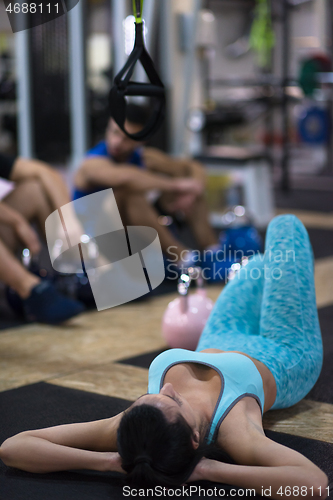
(269, 312)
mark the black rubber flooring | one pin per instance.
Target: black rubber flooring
(42, 404)
(303, 199)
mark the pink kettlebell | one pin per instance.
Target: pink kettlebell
(186, 316)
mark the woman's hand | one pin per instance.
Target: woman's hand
(115, 462)
(20, 226)
(27, 235)
(199, 472)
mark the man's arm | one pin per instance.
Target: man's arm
(157, 161)
(54, 188)
(87, 445)
(100, 171)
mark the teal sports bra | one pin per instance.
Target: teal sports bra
(239, 378)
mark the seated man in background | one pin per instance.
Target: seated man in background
(136, 173)
(39, 190)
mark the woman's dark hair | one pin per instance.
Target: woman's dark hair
(155, 451)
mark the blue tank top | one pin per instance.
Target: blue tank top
(101, 150)
(239, 378)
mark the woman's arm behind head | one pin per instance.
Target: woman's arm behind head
(84, 445)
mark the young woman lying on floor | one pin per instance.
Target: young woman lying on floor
(261, 349)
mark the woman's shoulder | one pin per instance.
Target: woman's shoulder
(240, 430)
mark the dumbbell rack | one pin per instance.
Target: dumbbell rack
(279, 86)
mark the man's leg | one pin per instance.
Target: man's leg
(29, 200)
(198, 220)
(40, 299)
(136, 210)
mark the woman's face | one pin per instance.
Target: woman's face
(171, 403)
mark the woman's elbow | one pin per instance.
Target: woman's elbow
(6, 452)
(323, 486)
(10, 450)
(319, 486)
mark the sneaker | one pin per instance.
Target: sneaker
(46, 305)
(15, 302)
(241, 241)
(215, 264)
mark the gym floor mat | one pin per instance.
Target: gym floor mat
(322, 242)
(323, 390)
(42, 405)
(305, 199)
(142, 361)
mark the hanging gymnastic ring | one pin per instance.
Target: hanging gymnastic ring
(123, 87)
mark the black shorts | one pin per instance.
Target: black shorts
(6, 165)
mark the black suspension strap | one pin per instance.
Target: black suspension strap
(123, 87)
